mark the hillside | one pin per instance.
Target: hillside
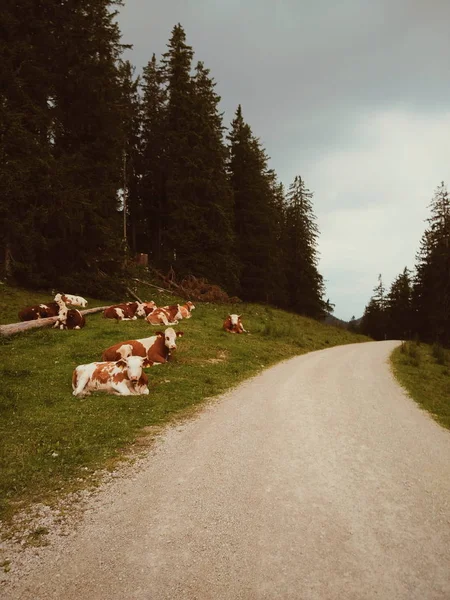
(53, 443)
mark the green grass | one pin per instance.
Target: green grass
(424, 371)
(52, 442)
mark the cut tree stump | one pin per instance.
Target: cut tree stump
(13, 328)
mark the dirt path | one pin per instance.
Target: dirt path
(317, 480)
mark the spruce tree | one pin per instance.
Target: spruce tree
(279, 294)
(27, 47)
(305, 284)
(431, 291)
(151, 216)
(179, 169)
(254, 212)
(212, 251)
(84, 226)
(373, 322)
(399, 323)
(130, 108)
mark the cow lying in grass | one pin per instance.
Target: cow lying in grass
(149, 307)
(128, 311)
(166, 315)
(156, 349)
(185, 309)
(68, 318)
(41, 311)
(74, 300)
(123, 377)
(233, 324)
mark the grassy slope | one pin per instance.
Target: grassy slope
(51, 441)
(424, 371)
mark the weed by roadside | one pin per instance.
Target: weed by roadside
(424, 372)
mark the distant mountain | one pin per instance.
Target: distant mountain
(332, 320)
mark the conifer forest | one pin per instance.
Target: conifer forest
(99, 163)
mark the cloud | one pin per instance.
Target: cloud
(372, 202)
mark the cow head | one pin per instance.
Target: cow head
(235, 320)
(60, 298)
(140, 310)
(190, 305)
(170, 337)
(133, 365)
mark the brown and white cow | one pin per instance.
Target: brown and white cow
(74, 300)
(128, 311)
(156, 348)
(40, 311)
(185, 310)
(123, 377)
(137, 308)
(68, 318)
(166, 315)
(233, 324)
(149, 307)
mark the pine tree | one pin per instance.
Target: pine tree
(353, 325)
(255, 227)
(130, 108)
(373, 322)
(399, 308)
(305, 283)
(431, 290)
(212, 251)
(279, 289)
(150, 215)
(84, 225)
(178, 167)
(27, 46)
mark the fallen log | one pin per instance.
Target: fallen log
(13, 328)
(158, 287)
(133, 294)
(168, 281)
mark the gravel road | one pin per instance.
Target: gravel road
(316, 480)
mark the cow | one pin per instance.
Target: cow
(40, 311)
(156, 348)
(68, 318)
(167, 315)
(74, 300)
(233, 324)
(123, 377)
(137, 308)
(128, 311)
(149, 307)
(186, 309)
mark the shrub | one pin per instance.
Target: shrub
(412, 353)
(439, 354)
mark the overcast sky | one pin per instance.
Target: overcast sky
(354, 96)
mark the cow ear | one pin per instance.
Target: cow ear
(147, 363)
(239, 316)
(160, 333)
(180, 333)
(121, 362)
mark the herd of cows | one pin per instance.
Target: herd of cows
(121, 370)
